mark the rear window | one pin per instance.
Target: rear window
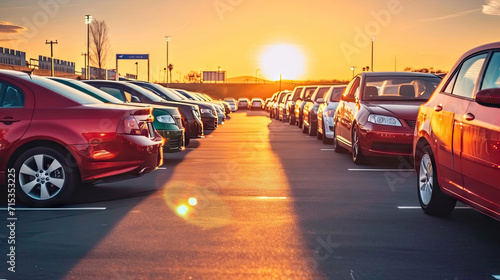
(64, 90)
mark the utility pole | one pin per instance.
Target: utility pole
(51, 56)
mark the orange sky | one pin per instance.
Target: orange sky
(331, 35)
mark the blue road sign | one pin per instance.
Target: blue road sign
(132, 56)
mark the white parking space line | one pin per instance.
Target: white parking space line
(328, 149)
(418, 207)
(57, 209)
(381, 170)
(162, 168)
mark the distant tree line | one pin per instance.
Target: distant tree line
(425, 70)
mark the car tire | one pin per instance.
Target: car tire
(357, 156)
(45, 177)
(304, 128)
(432, 200)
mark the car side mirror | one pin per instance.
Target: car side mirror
(489, 97)
(135, 99)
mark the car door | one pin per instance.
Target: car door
(480, 155)
(16, 111)
(345, 112)
(447, 121)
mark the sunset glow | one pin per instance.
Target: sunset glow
(286, 60)
(307, 41)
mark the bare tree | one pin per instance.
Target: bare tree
(99, 45)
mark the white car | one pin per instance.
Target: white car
(326, 111)
(256, 104)
(232, 104)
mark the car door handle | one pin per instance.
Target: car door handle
(438, 108)
(9, 120)
(469, 117)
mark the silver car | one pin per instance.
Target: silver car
(232, 104)
(326, 111)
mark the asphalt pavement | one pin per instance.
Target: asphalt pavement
(255, 199)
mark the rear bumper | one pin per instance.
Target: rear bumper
(127, 155)
(174, 140)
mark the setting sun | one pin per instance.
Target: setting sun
(286, 60)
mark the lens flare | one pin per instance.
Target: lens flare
(192, 201)
(182, 210)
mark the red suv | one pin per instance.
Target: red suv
(457, 137)
(53, 137)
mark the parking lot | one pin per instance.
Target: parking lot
(270, 203)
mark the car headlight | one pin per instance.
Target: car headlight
(384, 120)
(165, 119)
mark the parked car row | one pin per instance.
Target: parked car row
(57, 133)
(448, 126)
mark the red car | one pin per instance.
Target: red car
(53, 137)
(377, 113)
(457, 138)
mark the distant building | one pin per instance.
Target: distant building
(131, 76)
(98, 73)
(12, 57)
(59, 65)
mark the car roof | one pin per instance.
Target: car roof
(14, 73)
(396, 74)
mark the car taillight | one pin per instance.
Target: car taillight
(131, 126)
(137, 125)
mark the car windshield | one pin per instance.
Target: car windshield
(337, 94)
(320, 93)
(308, 92)
(64, 90)
(399, 88)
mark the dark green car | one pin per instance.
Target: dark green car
(167, 120)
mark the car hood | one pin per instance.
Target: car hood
(401, 110)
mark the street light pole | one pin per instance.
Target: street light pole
(167, 38)
(352, 68)
(280, 81)
(137, 70)
(373, 40)
(51, 56)
(88, 20)
(85, 63)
